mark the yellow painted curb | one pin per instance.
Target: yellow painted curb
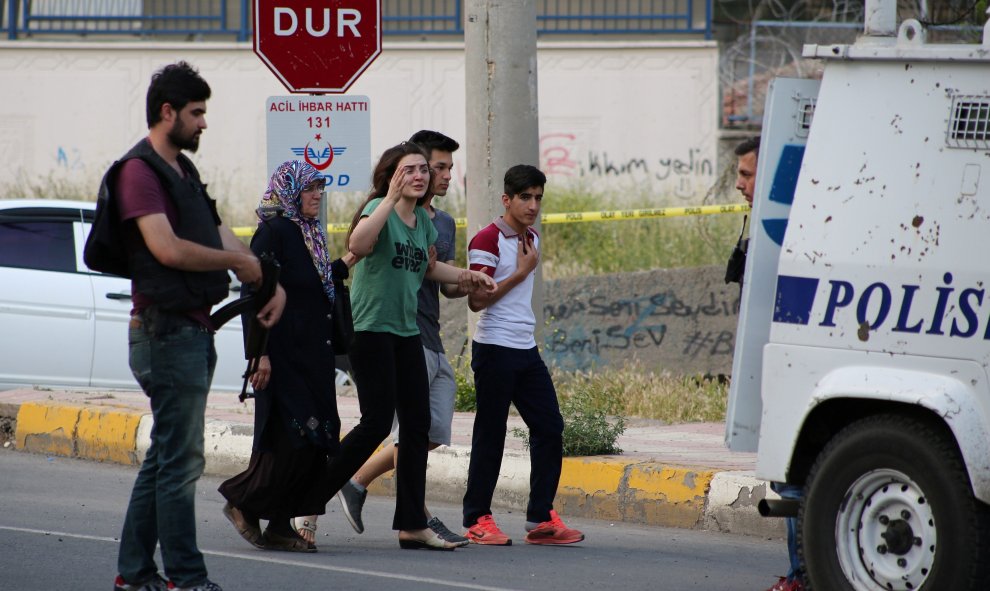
(47, 428)
(648, 493)
(94, 433)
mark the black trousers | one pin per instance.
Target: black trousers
(503, 375)
(390, 373)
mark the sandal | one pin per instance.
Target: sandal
(293, 543)
(248, 529)
(306, 527)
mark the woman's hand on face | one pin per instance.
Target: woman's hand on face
(474, 281)
(261, 376)
(399, 181)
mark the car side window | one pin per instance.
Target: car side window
(42, 245)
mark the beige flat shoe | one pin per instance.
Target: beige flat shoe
(431, 542)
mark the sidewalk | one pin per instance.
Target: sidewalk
(669, 475)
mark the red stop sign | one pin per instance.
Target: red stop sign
(317, 45)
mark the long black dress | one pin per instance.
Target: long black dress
(296, 424)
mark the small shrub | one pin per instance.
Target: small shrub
(588, 428)
(464, 398)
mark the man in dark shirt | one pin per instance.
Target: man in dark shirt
(746, 152)
(178, 262)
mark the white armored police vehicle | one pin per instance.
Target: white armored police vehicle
(863, 348)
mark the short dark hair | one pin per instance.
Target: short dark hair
(434, 140)
(521, 177)
(177, 84)
(748, 145)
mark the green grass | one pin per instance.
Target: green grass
(569, 250)
(595, 248)
(633, 391)
(625, 391)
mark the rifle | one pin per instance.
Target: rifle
(256, 335)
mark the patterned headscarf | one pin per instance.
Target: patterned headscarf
(282, 196)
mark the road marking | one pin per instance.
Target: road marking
(279, 561)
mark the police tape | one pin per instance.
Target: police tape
(582, 216)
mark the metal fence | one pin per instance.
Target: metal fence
(773, 48)
(222, 18)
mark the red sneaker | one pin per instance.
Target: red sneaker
(486, 532)
(553, 532)
(784, 585)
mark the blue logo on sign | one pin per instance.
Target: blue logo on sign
(782, 189)
(795, 297)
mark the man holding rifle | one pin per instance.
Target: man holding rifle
(178, 254)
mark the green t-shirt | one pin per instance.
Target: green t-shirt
(383, 293)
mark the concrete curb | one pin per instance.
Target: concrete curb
(601, 487)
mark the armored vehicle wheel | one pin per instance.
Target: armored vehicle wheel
(889, 507)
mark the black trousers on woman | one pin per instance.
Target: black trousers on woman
(390, 372)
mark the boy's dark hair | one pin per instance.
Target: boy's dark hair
(176, 84)
(748, 145)
(521, 177)
(434, 140)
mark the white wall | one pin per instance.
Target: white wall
(634, 118)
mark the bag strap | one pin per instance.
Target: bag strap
(742, 230)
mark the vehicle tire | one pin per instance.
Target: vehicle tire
(888, 506)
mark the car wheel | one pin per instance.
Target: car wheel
(889, 507)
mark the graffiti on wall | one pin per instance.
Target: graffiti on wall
(599, 330)
(68, 158)
(684, 172)
(556, 151)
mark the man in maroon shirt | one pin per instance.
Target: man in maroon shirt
(178, 254)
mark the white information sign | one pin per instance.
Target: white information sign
(333, 133)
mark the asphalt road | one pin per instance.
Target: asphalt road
(60, 521)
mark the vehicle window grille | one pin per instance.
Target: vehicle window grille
(806, 112)
(969, 126)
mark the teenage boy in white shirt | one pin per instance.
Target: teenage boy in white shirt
(508, 369)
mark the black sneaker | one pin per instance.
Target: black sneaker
(445, 534)
(352, 501)
(156, 583)
(206, 585)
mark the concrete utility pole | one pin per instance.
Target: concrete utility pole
(502, 123)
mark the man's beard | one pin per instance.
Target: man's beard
(177, 135)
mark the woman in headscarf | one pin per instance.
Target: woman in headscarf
(296, 426)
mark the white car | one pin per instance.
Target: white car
(62, 324)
